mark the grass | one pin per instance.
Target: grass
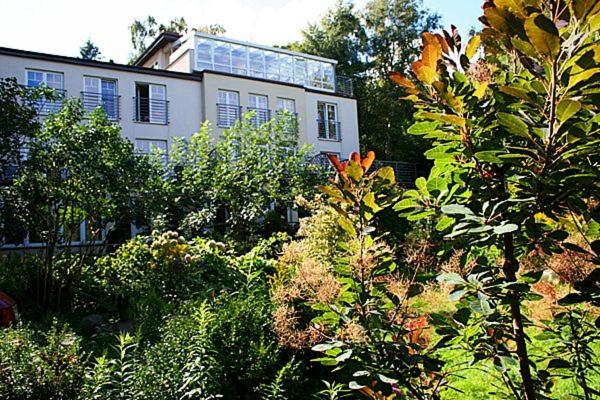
(482, 381)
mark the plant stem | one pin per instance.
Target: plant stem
(510, 268)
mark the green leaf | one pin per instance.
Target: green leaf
(513, 124)
(472, 46)
(506, 228)
(387, 174)
(440, 152)
(489, 156)
(369, 201)
(451, 278)
(567, 109)
(354, 170)
(346, 225)
(422, 128)
(386, 379)
(405, 204)
(543, 35)
(355, 386)
(421, 184)
(437, 184)
(444, 223)
(456, 209)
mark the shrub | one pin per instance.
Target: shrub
(40, 366)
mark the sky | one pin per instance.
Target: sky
(62, 26)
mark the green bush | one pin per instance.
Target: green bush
(44, 366)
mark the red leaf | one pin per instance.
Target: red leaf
(368, 160)
(339, 167)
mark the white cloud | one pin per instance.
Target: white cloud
(61, 26)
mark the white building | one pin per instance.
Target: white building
(182, 81)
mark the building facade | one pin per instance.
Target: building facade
(182, 81)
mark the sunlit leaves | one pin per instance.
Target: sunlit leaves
(543, 35)
(567, 109)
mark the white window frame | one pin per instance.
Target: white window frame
(229, 118)
(99, 92)
(45, 106)
(327, 120)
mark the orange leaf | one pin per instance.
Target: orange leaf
(423, 72)
(339, 167)
(368, 160)
(355, 157)
(431, 54)
(402, 80)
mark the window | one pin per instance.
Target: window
(279, 65)
(300, 71)
(152, 146)
(228, 108)
(286, 104)
(53, 80)
(239, 60)
(204, 55)
(286, 68)
(151, 103)
(147, 146)
(259, 104)
(257, 63)
(328, 125)
(101, 92)
(272, 65)
(222, 56)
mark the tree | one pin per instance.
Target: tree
(75, 173)
(144, 30)
(369, 44)
(516, 155)
(89, 51)
(243, 175)
(18, 124)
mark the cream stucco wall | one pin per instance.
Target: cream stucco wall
(184, 95)
(192, 101)
(306, 107)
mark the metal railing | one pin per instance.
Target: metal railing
(228, 115)
(109, 102)
(261, 115)
(405, 172)
(329, 130)
(49, 106)
(344, 85)
(151, 110)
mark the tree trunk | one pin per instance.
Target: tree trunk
(510, 268)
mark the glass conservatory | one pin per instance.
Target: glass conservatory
(240, 58)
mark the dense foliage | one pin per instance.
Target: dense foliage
(516, 149)
(368, 43)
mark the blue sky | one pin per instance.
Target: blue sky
(462, 13)
(62, 26)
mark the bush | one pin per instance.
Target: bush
(44, 366)
(150, 275)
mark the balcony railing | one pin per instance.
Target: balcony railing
(404, 172)
(228, 115)
(151, 110)
(329, 130)
(109, 102)
(344, 85)
(49, 106)
(261, 115)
